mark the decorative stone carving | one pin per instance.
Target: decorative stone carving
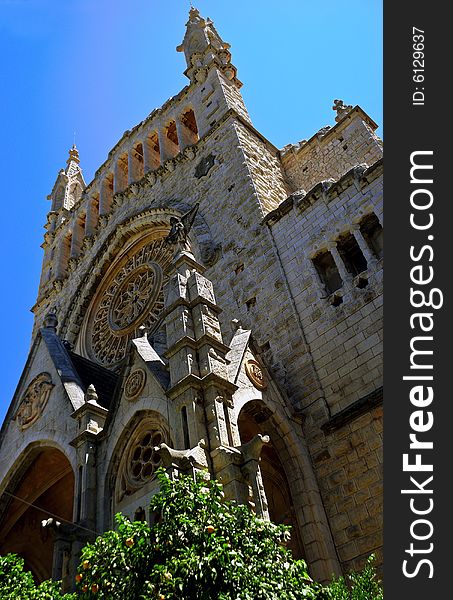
(180, 227)
(204, 166)
(130, 296)
(183, 460)
(255, 374)
(210, 253)
(134, 296)
(34, 401)
(135, 384)
(341, 109)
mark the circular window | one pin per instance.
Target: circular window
(130, 295)
(140, 459)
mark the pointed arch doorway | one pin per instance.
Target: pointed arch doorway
(255, 417)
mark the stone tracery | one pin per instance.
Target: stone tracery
(140, 459)
(131, 296)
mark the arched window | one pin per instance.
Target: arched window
(136, 163)
(106, 196)
(135, 462)
(121, 173)
(171, 140)
(78, 235)
(152, 152)
(64, 256)
(189, 129)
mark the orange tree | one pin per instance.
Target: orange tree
(18, 584)
(200, 547)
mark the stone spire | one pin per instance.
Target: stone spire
(69, 184)
(203, 46)
(73, 160)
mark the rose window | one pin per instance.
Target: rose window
(137, 294)
(130, 295)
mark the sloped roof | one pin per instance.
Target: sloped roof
(104, 381)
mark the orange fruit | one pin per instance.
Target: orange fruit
(94, 588)
(210, 528)
(86, 564)
(78, 577)
(129, 542)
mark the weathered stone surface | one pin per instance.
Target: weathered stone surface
(249, 257)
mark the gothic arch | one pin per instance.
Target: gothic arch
(279, 466)
(39, 485)
(132, 464)
(315, 542)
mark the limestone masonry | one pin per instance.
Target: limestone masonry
(208, 302)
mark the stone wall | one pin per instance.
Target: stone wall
(343, 423)
(332, 151)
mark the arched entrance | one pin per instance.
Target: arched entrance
(255, 418)
(42, 486)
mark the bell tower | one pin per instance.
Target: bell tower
(202, 46)
(69, 185)
(65, 197)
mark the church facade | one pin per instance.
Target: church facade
(208, 302)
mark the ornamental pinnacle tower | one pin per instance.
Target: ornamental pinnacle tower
(208, 302)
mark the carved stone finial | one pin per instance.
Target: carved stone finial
(194, 14)
(341, 109)
(91, 395)
(51, 320)
(73, 155)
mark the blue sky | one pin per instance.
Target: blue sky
(97, 68)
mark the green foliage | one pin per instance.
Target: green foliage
(363, 585)
(202, 548)
(17, 584)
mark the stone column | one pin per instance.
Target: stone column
(147, 165)
(164, 154)
(181, 137)
(104, 198)
(369, 256)
(345, 276)
(91, 217)
(91, 417)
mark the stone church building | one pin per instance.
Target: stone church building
(207, 302)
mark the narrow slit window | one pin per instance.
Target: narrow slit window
(185, 427)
